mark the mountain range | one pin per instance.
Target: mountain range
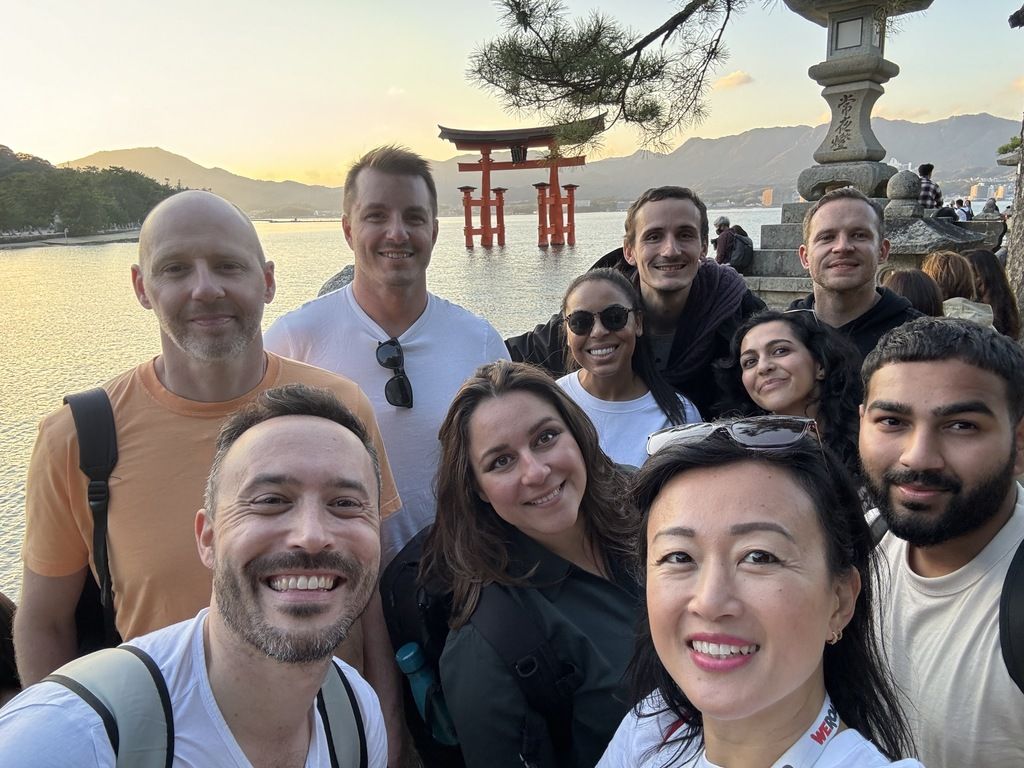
(730, 168)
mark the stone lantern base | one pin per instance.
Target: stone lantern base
(865, 176)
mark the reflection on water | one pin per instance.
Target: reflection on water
(70, 319)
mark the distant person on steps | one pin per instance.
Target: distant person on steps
(930, 195)
(723, 243)
(692, 305)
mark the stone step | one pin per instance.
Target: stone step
(793, 213)
(781, 236)
(779, 292)
(783, 262)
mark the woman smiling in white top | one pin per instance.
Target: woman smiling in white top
(758, 643)
(617, 384)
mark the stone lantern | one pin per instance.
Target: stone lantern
(852, 76)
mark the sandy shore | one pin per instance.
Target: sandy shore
(124, 236)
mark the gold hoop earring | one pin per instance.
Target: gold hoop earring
(835, 637)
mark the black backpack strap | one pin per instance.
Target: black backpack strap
(97, 449)
(127, 690)
(878, 527)
(513, 629)
(343, 722)
(1011, 618)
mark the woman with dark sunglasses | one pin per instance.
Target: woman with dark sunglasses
(758, 647)
(616, 382)
(790, 363)
(528, 504)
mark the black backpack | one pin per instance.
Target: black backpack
(741, 255)
(418, 612)
(97, 448)
(1011, 608)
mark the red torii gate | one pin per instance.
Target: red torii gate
(552, 228)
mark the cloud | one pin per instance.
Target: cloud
(395, 90)
(732, 80)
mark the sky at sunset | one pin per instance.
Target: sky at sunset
(298, 90)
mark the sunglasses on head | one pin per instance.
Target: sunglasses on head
(758, 433)
(398, 390)
(613, 318)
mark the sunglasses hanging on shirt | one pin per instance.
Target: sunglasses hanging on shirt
(398, 389)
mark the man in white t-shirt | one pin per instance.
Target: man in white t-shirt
(407, 349)
(290, 531)
(940, 461)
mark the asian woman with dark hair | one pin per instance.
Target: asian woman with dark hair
(759, 641)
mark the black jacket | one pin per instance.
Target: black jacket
(589, 624)
(890, 311)
(545, 344)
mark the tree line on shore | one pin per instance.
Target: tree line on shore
(34, 195)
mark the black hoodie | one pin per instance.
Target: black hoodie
(890, 311)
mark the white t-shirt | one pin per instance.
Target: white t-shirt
(942, 639)
(442, 349)
(49, 726)
(637, 744)
(623, 426)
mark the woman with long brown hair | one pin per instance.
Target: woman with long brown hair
(529, 504)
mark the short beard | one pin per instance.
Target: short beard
(211, 350)
(236, 604)
(965, 512)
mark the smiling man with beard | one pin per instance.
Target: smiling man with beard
(291, 530)
(941, 440)
(844, 243)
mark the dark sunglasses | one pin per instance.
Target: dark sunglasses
(613, 318)
(758, 433)
(398, 390)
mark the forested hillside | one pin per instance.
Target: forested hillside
(35, 195)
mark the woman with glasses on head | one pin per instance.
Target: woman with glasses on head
(616, 382)
(758, 648)
(529, 504)
(791, 364)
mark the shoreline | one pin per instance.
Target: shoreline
(44, 241)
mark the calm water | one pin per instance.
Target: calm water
(70, 319)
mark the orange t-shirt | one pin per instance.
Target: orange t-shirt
(165, 448)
